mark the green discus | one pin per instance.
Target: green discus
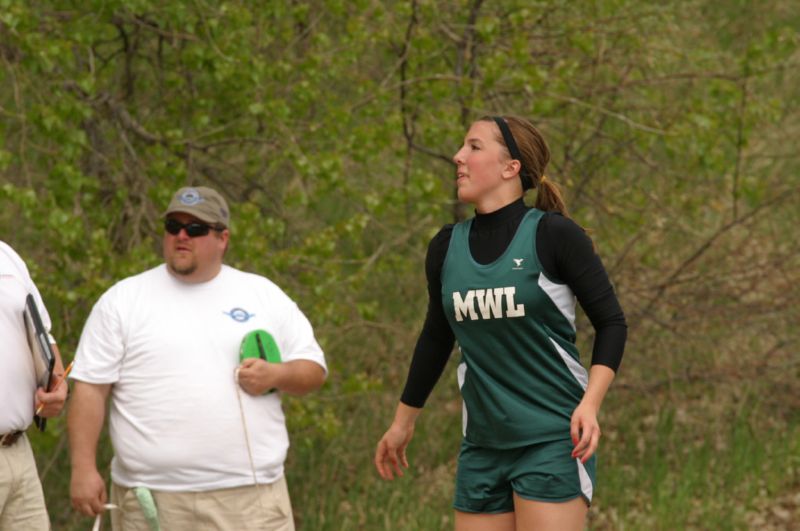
(259, 344)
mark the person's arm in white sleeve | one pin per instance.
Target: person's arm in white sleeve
(48, 404)
(85, 418)
(303, 369)
(297, 377)
(97, 363)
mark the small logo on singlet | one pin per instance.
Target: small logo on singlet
(517, 264)
(239, 315)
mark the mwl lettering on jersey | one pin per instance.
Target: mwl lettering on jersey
(490, 304)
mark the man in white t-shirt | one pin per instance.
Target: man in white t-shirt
(164, 346)
(21, 500)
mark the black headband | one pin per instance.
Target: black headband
(511, 144)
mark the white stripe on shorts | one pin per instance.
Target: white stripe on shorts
(586, 482)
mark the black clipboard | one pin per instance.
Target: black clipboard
(44, 358)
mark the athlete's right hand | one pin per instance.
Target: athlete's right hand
(88, 491)
(391, 451)
(390, 456)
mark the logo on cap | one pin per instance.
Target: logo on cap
(190, 197)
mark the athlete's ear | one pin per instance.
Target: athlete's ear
(511, 169)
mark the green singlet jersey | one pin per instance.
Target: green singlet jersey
(520, 374)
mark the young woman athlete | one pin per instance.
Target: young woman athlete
(504, 284)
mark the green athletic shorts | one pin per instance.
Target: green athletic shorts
(488, 477)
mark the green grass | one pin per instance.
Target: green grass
(665, 463)
(669, 471)
(661, 469)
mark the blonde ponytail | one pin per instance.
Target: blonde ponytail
(549, 198)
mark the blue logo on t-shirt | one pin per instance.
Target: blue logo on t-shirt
(239, 315)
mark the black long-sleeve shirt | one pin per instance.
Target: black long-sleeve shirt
(567, 256)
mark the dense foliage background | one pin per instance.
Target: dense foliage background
(330, 124)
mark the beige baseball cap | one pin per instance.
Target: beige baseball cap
(204, 203)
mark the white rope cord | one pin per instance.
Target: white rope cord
(110, 506)
(99, 518)
(247, 439)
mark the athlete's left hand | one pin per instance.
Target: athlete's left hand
(585, 431)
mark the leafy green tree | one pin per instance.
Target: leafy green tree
(330, 126)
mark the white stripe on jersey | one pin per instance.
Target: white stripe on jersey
(462, 374)
(562, 297)
(577, 370)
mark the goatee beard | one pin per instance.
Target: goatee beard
(183, 271)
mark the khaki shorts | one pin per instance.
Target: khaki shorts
(21, 499)
(241, 508)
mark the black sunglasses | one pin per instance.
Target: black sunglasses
(193, 230)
